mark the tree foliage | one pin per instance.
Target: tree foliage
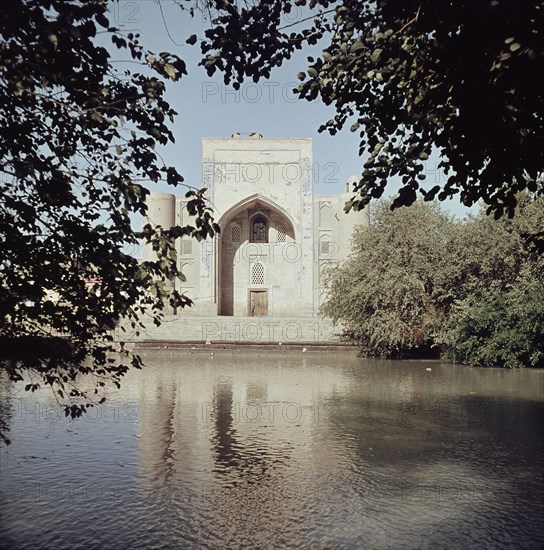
(78, 142)
(505, 328)
(383, 295)
(419, 281)
(496, 283)
(412, 77)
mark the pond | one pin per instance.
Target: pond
(281, 450)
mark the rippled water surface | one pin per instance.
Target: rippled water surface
(273, 450)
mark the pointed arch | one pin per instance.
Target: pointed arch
(258, 224)
(256, 201)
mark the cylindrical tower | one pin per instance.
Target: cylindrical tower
(350, 220)
(161, 210)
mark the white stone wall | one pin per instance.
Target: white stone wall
(161, 211)
(276, 175)
(248, 177)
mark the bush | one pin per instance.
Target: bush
(420, 282)
(506, 329)
(383, 294)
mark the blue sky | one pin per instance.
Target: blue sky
(209, 108)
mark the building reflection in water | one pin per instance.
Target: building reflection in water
(238, 444)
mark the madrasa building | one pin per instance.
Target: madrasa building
(276, 238)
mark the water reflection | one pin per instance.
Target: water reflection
(282, 450)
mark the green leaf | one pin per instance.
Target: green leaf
(95, 115)
(170, 71)
(54, 40)
(357, 47)
(375, 55)
(102, 20)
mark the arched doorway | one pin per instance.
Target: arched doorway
(251, 265)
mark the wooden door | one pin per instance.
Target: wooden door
(258, 303)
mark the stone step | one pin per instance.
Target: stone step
(199, 347)
(257, 330)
